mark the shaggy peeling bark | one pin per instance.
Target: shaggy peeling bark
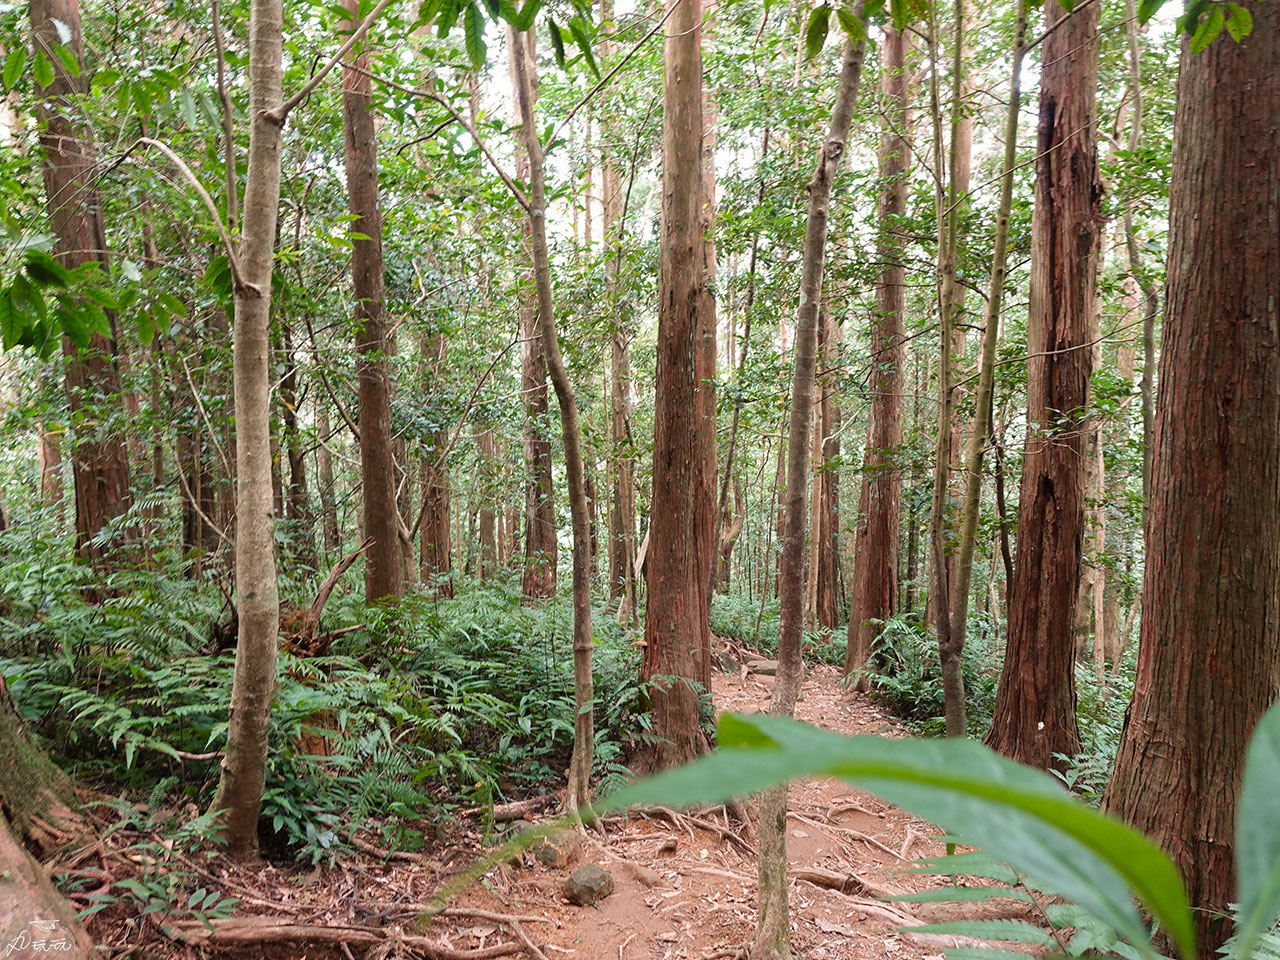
(1035, 712)
(577, 795)
(773, 928)
(1213, 561)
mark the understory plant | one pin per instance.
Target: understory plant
(1022, 820)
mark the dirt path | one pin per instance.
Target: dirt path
(684, 886)
(682, 891)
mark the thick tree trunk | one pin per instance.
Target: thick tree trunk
(578, 793)
(239, 795)
(1209, 655)
(875, 548)
(773, 928)
(1035, 712)
(383, 570)
(677, 632)
(99, 459)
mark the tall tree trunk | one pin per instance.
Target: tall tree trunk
(676, 628)
(298, 497)
(539, 511)
(1035, 712)
(875, 548)
(825, 572)
(383, 570)
(488, 534)
(325, 481)
(577, 795)
(99, 459)
(1209, 654)
(773, 928)
(239, 795)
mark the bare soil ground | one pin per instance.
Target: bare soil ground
(684, 883)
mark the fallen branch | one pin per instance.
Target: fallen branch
(843, 882)
(254, 932)
(856, 834)
(506, 812)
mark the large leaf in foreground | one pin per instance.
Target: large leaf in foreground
(1258, 833)
(1015, 813)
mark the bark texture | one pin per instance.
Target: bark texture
(99, 458)
(677, 632)
(383, 569)
(875, 550)
(1209, 655)
(239, 795)
(1035, 712)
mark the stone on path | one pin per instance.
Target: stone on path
(588, 884)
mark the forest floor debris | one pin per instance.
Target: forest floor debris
(683, 882)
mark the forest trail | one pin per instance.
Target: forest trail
(687, 891)
(684, 884)
(704, 899)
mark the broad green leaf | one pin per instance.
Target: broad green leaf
(528, 10)
(12, 322)
(815, 32)
(73, 326)
(557, 43)
(14, 64)
(1019, 815)
(42, 69)
(899, 13)
(69, 60)
(1208, 29)
(187, 109)
(44, 269)
(473, 30)
(1148, 9)
(1240, 23)
(983, 953)
(1018, 931)
(495, 8)
(1258, 833)
(447, 17)
(870, 9)
(852, 25)
(578, 27)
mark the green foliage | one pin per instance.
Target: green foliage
(434, 704)
(1014, 814)
(906, 676)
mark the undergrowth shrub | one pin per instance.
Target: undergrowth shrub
(431, 704)
(907, 678)
(736, 615)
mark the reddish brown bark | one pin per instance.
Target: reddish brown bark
(1035, 712)
(875, 553)
(677, 632)
(383, 570)
(824, 574)
(1209, 656)
(100, 461)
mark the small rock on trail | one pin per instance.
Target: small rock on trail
(588, 884)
